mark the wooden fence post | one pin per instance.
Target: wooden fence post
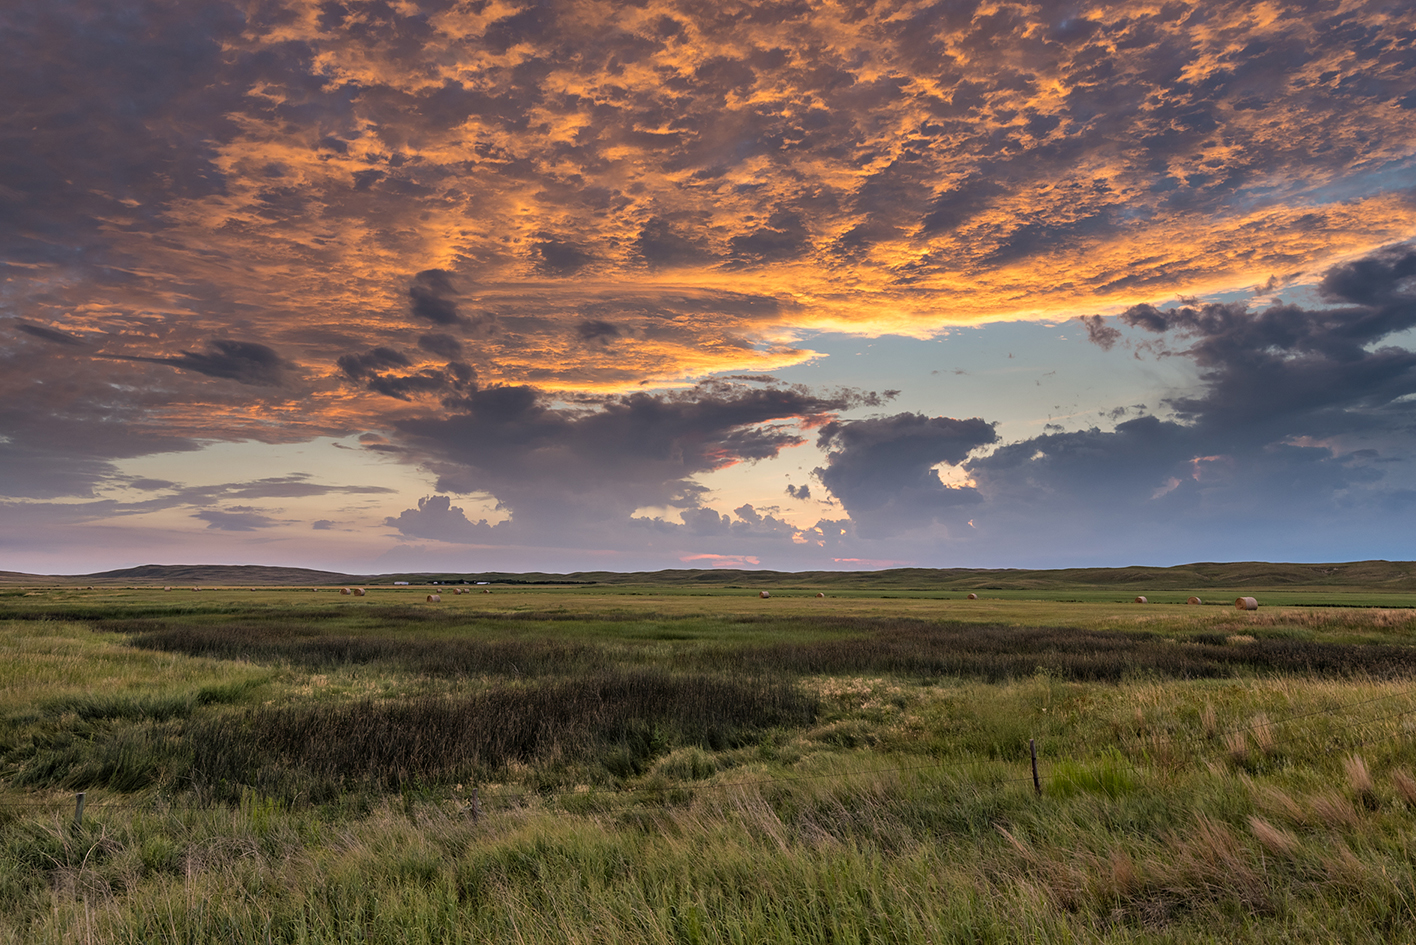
(1037, 785)
(79, 809)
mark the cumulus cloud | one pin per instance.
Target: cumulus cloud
(1301, 423)
(235, 519)
(882, 469)
(560, 470)
(437, 518)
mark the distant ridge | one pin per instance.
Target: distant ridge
(1388, 575)
(222, 574)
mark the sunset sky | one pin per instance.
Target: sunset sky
(432, 284)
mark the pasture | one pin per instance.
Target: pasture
(641, 763)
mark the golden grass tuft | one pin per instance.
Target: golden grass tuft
(1236, 748)
(1276, 802)
(1276, 840)
(1335, 812)
(1405, 786)
(1262, 730)
(1360, 780)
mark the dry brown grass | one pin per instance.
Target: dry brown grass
(1335, 812)
(1276, 840)
(1276, 802)
(1405, 786)
(1360, 780)
(1262, 731)
(1236, 748)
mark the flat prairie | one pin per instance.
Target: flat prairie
(668, 763)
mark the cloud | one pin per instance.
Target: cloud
(1291, 371)
(882, 469)
(559, 469)
(1099, 333)
(560, 257)
(1301, 425)
(433, 297)
(437, 518)
(361, 366)
(236, 519)
(49, 334)
(245, 362)
(580, 201)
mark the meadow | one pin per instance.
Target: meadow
(640, 763)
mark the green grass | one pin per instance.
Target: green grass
(652, 766)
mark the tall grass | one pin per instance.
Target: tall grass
(286, 779)
(622, 718)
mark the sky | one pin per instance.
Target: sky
(391, 285)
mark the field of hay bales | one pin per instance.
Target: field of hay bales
(643, 763)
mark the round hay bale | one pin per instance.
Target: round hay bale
(345, 592)
(167, 588)
(486, 590)
(457, 591)
(434, 598)
(765, 594)
(819, 594)
(1194, 600)
(1142, 600)
(973, 597)
(196, 588)
(1246, 603)
(359, 592)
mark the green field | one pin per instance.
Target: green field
(684, 761)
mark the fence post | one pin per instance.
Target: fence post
(1032, 748)
(79, 809)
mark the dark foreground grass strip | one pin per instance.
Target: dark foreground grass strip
(619, 718)
(907, 646)
(303, 645)
(996, 653)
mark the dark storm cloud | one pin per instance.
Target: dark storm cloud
(49, 334)
(1302, 417)
(662, 245)
(783, 238)
(433, 297)
(561, 468)
(596, 329)
(245, 362)
(440, 344)
(360, 366)
(1291, 371)
(881, 469)
(560, 257)
(955, 206)
(437, 518)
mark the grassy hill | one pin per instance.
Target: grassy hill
(1374, 575)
